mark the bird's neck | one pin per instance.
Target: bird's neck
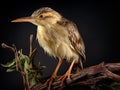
(40, 32)
(40, 27)
(43, 29)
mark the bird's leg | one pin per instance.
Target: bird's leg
(79, 66)
(50, 80)
(67, 74)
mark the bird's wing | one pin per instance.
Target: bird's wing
(74, 37)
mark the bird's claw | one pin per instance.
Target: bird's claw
(49, 82)
(64, 77)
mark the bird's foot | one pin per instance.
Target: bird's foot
(64, 77)
(49, 82)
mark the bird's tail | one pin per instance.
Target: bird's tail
(78, 66)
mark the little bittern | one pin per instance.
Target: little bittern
(59, 37)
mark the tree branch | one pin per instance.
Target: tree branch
(88, 77)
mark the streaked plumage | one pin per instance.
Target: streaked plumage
(58, 37)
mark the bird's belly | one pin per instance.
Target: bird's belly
(60, 50)
(64, 51)
(57, 48)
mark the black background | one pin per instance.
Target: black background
(98, 23)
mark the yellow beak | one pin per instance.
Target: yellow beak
(24, 19)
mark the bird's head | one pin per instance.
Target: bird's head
(41, 16)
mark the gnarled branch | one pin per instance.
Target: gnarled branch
(88, 77)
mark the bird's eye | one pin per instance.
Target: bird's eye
(41, 16)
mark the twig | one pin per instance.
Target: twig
(32, 52)
(31, 38)
(26, 81)
(33, 55)
(7, 47)
(16, 58)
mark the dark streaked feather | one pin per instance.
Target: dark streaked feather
(74, 37)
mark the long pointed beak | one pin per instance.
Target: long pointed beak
(24, 19)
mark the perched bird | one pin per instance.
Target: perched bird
(59, 37)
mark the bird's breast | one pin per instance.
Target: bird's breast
(56, 43)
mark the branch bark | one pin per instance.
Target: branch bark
(88, 77)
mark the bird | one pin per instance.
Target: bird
(59, 38)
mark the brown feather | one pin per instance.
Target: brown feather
(76, 42)
(74, 37)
